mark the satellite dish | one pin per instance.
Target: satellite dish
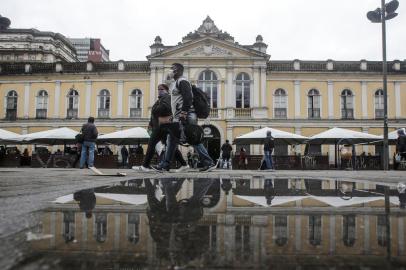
(374, 16)
(391, 6)
(391, 16)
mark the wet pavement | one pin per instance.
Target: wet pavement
(69, 219)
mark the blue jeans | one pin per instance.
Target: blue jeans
(268, 160)
(172, 144)
(86, 145)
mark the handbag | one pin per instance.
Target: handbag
(398, 158)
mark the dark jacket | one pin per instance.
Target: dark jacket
(161, 108)
(124, 152)
(89, 132)
(269, 144)
(226, 148)
(401, 144)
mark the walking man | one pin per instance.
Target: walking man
(269, 145)
(90, 134)
(226, 153)
(182, 112)
(124, 156)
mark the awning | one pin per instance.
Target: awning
(123, 137)
(258, 137)
(343, 136)
(5, 135)
(56, 136)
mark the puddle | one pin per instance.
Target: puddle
(221, 223)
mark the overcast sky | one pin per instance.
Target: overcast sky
(302, 29)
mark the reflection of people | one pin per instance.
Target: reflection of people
(87, 201)
(269, 191)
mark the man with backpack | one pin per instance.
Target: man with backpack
(184, 114)
(269, 145)
(226, 149)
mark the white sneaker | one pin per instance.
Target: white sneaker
(182, 169)
(142, 169)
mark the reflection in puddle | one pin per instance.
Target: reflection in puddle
(225, 223)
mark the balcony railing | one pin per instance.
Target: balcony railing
(72, 114)
(135, 112)
(41, 114)
(242, 113)
(280, 113)
(347, 113)
(379, 113)
(104, 113)
(11, 114)
(314, 113)
(214, 113)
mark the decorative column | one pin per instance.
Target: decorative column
(330, 93)
(84, 231)
(298, 233)
(120, 87)
(366, 235)
(263, 87)
(152, 87)
(57, 98)
(229, 238)
(364, 100)
(229, 136)
(230, 95)
(332, 234)
(88, 98)
(297, 100)
(397, 101)
(255, 96)
(27, 88)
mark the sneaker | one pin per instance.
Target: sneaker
(182, 169)
(208, 168)
(159, 169)
(142, 169)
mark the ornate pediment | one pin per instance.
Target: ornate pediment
(208, 50)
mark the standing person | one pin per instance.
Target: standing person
(124, 156)
(401, 146)
(269, 145)
(226, 149)
(90, 134)
(242, 159)
(182, 113)
(160, 112)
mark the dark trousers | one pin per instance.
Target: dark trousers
(156, 136)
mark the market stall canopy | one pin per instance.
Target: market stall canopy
(343, 136)
(258, 137)
(5, 135)
(56, 136)
(128, 136)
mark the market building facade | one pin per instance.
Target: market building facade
(247, 89)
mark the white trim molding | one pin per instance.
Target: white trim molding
(364, 100)
(398, 107)
(297, 100)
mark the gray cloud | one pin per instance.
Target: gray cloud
(303, 29)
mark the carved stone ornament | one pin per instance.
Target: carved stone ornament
(208, 50)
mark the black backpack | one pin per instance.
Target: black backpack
(200, 102)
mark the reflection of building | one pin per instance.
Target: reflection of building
(90, 49)
(33, 46)
(237, 231)
(247, 91)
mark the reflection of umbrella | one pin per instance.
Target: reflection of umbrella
(128, 136)
(258, 137)
(5, 135)
(56, 136)
(343, 136)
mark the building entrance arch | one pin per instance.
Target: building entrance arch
(212, 141)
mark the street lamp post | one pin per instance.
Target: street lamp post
(381, 15)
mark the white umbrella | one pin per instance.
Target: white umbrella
(52, 137)
(258, 137)
(342, 136)
(5, 135)
(128, 136)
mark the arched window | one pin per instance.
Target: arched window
(315, 230)
(133, 233)
(11, 105)
(349, 230)
(42, 104)
(379, 104)
(313, 103)
(69, 226)
(208, 83)
(135, 103)
(242, 91)
(73, 104)
(101, 227)
(347, 104)
(104, 104)
(281, 230)
(382, 237)
(280, 104)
